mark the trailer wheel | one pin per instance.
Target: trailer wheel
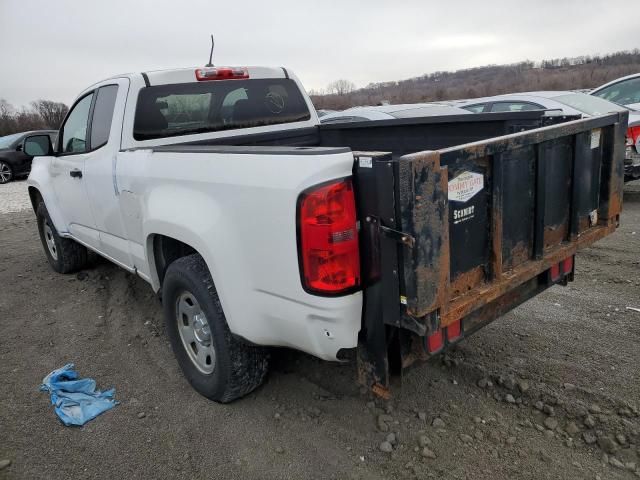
(218, 365)
(64, 255)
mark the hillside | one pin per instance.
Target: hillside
(557, 74)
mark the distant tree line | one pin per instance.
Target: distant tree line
(555, 74)
(40, 115)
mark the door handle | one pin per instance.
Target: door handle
(75, 173)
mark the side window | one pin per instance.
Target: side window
(475, 108)
(102, 115)
(74, 131)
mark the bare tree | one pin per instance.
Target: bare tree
(42, 114)
(341, 87)
(52, 113)
(586, 71)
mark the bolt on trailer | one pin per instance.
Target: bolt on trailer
(453, 238)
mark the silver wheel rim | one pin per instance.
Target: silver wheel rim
(49, 240)
(5, 173)
(195, 333)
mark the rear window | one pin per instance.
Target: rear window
(589, 104)
(189, 108)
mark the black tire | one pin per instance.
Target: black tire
(6, 172)
(239, 368)
(65, 255)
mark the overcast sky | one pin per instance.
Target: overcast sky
(54, 48)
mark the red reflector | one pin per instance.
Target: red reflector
(633, 135)
(328, 238)
(454, 331)
(567, 265)
(555, 272)
(435, 341)
(221, 73)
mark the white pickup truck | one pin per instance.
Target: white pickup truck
(258, 227)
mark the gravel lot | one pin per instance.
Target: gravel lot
(14, 197)
(549, 391)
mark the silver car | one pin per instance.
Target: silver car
(561, 103)
(389, 112)
(623, 91)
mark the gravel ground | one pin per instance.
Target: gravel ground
(14, 197)
(549, 391)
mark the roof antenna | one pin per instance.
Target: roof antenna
(211, 53)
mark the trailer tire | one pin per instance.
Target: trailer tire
(64, 254)
(218, 365)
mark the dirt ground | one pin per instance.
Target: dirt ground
(549, 391)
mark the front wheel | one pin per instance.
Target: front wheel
(218, 365)
(64, 255)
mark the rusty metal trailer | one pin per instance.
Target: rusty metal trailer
(452, 238)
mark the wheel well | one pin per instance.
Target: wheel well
(167, 250)
(35, 197)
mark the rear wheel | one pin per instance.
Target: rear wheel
(6, 173)
(218, 365)
(64, 255)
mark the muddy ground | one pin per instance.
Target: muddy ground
(572, 352)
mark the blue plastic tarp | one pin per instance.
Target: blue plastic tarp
(76, 400)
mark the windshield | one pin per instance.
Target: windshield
(189, 108)
(6, 142)
(622, 93)
(589, 104)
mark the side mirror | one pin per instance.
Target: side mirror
(38, 145)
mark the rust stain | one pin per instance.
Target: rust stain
(584, 224)
(496, 232)
(381, 391)
(467, 281)
(477, 298)
(554, 235)
(430, 219)
(520, 253)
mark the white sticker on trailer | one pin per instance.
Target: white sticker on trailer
(465, 186)
(595, 138)
(365, 162)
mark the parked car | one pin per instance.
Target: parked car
(567, 103)
(561, 102)
(14, 162)
(623, 91)
(259, 227)
(389, 112)
(626, 91)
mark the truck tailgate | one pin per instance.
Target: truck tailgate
(453, 238)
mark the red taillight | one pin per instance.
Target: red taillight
(454, 331)
(633, 136)
(328, 239)
(435, 342)
(221, 73)
(567, 265)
